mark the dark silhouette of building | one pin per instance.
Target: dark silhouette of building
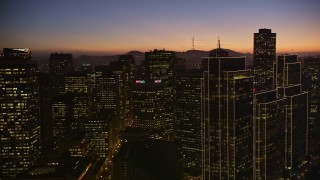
(289, 88)
(149, 109)
(296, 124)
(98, 131)
(148, 159)
(264, 56)
(128, 65)
(188, 120)
(17, 53)
(227, 118)
(159, 65)
(311, 83)
(45, 81)
(288, 70)
(60, 118)
(113, 93)
(269, 135)
(60, 63)
(78, 88)
(19, 113)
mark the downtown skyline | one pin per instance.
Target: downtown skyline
(106, 28)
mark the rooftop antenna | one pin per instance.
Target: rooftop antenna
(193, 42)
(218, 42)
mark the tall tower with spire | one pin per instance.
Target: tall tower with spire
(226, 117)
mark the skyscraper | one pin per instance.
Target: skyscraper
(269, 135)
(149, 109)
(109, 96)
(60, 63)
(159, 65)
(60, 118)
(188, 120)
(76, 87)
(288, 70)
(227, 94)
(127, 63)
(264, 55)
(311, 83)
(14, 53)
(297, 132)
(289, 88)
(19, 113)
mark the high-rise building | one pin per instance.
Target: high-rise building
(188, 120)
(159, 65)
(60, 63)
(45, 111)
(227, 94)
(269, 135)
(128, 66)
(109, 95)
(59, 66)
(237, 123)
(13, 53)
(289, 87)
(76, 87)
(288, 70)
(149, 109)
(296, 142)
(311, 83)
(264, 56)
(98, 129)
(60, 118)
(19, 113)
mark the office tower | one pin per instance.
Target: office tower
(60, 63)
(264, 55)
(143, 158)
(311, 83)
(269, 135)
(109, 95)
(14, 53)
(71, 107)
(76, 87)
(296, 124)
(45, 111)
(128, 65)
(19, 113)
(98, 129)
(159, 65)
(60, 120)
(188, 120)
(227, 94)
(237, 124)
(289, 88)
(288, 70)
(149, 109)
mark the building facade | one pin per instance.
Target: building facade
(264, 56)
(226, 105)
(188, 120)
(19, 114)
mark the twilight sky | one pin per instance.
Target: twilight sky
(118, 26)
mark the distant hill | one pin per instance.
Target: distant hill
(192, 57)
(195, 56)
